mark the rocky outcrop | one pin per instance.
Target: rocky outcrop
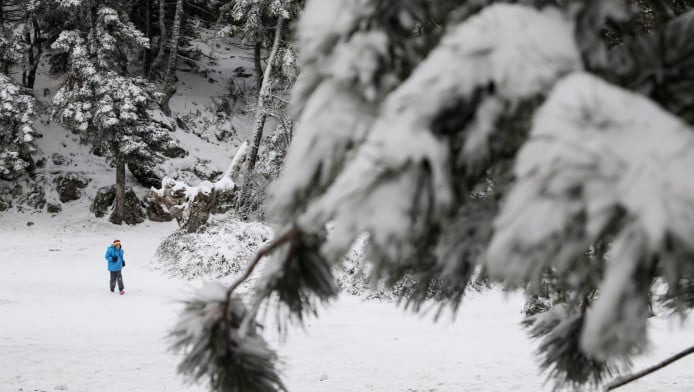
(102, 200)
(155, 212)
(205, 171)
(146, 175)
(133, 213)
(68, 186)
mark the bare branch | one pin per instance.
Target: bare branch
(623, 380)
(287, 236)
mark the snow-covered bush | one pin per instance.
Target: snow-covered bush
(219, 249)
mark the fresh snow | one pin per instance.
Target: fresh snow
(61, 329)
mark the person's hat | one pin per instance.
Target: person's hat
(116, 242)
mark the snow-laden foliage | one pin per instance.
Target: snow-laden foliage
(403, 169)
(412, 140)
(114, 35)
(213, 340)
(10, 47)
(347, 68)
(397, 184)
(248, 17)
(107, 108)
(595, 168)
(253, 21)
(17, 108)
(559, 331)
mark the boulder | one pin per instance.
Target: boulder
(6, 197)
(146, 175)
(103, 200)
(174, 151)
(60, 160)
(54, 208)
(206, 171)
(36, 197)
(155, 212)
(17, 191)
(133, 213)
(69, 185)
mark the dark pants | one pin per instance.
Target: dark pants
(116, 277)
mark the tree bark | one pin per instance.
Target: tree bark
(163, 42)
(147, 57)
(117, 215)
(260, 115)
(5, 64)
(170, 81)
(93, 41)
(258, 66)
(32, 50)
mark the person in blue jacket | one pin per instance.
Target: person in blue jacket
(115, 263)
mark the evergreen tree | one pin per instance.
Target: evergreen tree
(534, 140)
(17, 107)
(101, 102)
(254, 23)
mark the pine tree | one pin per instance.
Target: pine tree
(254, 23)
(17, 107)
(543, 142)
(101, 102)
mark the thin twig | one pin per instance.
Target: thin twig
(288, 235)
(279, 98)
(621, 381)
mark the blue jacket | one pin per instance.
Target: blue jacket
(114, 265)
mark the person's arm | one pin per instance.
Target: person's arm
(107, 256)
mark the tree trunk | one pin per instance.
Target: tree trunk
(260, 115)
(147, 58)
(163, 42)
(5, 64)
(32, 50)
(38, 44)
(117, 215)
(258, 66)
(93, 41)
(170, 81)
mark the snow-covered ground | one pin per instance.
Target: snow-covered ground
(61, 329)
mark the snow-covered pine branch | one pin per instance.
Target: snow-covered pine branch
(401, 180)
(606, 164)
(207, 333)
(192, 205)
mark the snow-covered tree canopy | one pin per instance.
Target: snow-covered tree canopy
(253, 21)
(510, 140)
(107, 107)
(246, 17)
(17, 108)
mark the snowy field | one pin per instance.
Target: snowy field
(62, 330)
